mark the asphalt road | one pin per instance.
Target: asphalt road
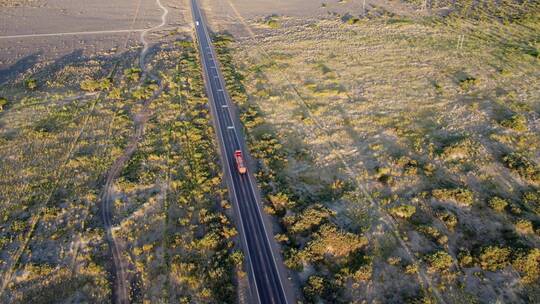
(266, 279)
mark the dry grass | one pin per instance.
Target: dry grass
(413, 116)
(57, 143)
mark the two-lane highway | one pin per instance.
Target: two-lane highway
(266, 280)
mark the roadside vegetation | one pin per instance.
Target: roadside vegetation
(432, 121)
(58, 140)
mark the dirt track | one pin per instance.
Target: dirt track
(122, 281)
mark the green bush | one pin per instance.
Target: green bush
(92, 85)
(272, 21)
(532, 200)
(3, 103)
(517, 122)
(498, 204)
(310, 218)
(133, 74)
(523, 166)
(403, 211)
(524, 226)
(468, 82)
(31, 84)
(494, 258)
(440, 261)
(460, 150)
(528, 264)
(329, 242)
(449, 219)
(293, 260)
(363, 273)
(461, 196)
(145, 92)
(433, 233)
(315, 288)
(465, 259)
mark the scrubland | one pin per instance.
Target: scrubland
(63, 129)
(399, 156)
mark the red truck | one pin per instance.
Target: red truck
(240, 162)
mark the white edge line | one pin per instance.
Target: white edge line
(227, 161)
(250, 183)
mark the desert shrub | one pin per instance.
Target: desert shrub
(315, 288)
(280, 202)
(402, 211)
(331, 242)
(350, 19)
(145, 92)
(92, 85)
(293, 259)
(439, 261)
(494, 258)
(273, 23)
(523, 166)
(3, 103)
(433, 233)
(462, 149)
(524, 226)
(532, 200)
(517, 122)
(468, 82)
(465, 259)
(448, 218)
(528, 264)
(310, 218)
(115, 94)
(324, 68)
(363, 273)
(237, 258)
(411, 269)
(353, 20)
(461, 196)
(30, 84)
(498, 204)
(384, 175)
(394, 261)
(18, 226)
(133, 74)
(409, 165)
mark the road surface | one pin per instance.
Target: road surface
(267, 280)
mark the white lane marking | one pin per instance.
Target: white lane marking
(227, 169)
(71, 34)
(252, 188)
(230, 127)
(207, 38)
(224, 106)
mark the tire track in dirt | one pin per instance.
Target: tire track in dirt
(120, 265)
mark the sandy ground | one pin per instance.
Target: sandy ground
(226, 15)
(103, 18)
(44, 17)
